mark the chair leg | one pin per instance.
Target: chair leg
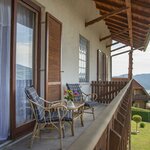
(72, 127)
(60, 132)
(81, 117)
(93, 113)
(38, 131)
(33, 134)
(63, 130)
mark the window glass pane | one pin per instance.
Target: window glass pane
(24, 62)
(83, 60)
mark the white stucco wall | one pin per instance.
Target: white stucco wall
(73, 14)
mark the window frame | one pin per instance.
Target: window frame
(87, 45)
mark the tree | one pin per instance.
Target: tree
(137, 119)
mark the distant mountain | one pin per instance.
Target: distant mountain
(143, 79)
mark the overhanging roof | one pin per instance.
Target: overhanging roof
(127, 20)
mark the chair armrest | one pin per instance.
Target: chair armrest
(59, 108)
(53, 102)
(93, 95)
(32, 102)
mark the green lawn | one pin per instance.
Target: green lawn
(141, 141)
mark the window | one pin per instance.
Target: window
(83, 60)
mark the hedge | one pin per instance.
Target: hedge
(144, 113)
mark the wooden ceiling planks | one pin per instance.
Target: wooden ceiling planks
(106, 16)
(114, 34)
(136, 18)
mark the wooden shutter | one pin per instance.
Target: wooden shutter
(53, 58)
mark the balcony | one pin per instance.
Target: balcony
(140, 97)
(110, 129)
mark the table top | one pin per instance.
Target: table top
(77, 105)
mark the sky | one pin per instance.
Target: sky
(24, 45)
(141, 61)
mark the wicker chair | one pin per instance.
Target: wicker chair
(89, 99)
(46, 114)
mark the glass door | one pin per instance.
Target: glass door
(25, 64)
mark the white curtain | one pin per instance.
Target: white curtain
(5, 14)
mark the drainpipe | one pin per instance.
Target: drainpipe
(130, 65)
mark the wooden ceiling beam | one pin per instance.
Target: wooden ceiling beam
(112, 1)
(116, 22)
(112, 35)
(122, 38)
(106, 16)
(126, 39)
(112, 44)
(114, 26)
(116, 17)
(140, 12)
(138, 39)
(139, 42)
(126, 51)
(142, 19)
(140, 24)
(123, 52)
(135, 38)
(104, 11)
(139, 4)
(141, 30)
(126, 42)
(119, 48)
(138, 34)
(139, 7)
(123, 42)
(117, 25)
(123, 35)
(114, 29)
(129, 17)
(109, 4)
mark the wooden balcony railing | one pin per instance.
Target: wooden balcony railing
(111, 130)
(107, 90)
(140, 97)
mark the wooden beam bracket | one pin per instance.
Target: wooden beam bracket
(106, 16)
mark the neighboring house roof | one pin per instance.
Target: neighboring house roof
(136, 84)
